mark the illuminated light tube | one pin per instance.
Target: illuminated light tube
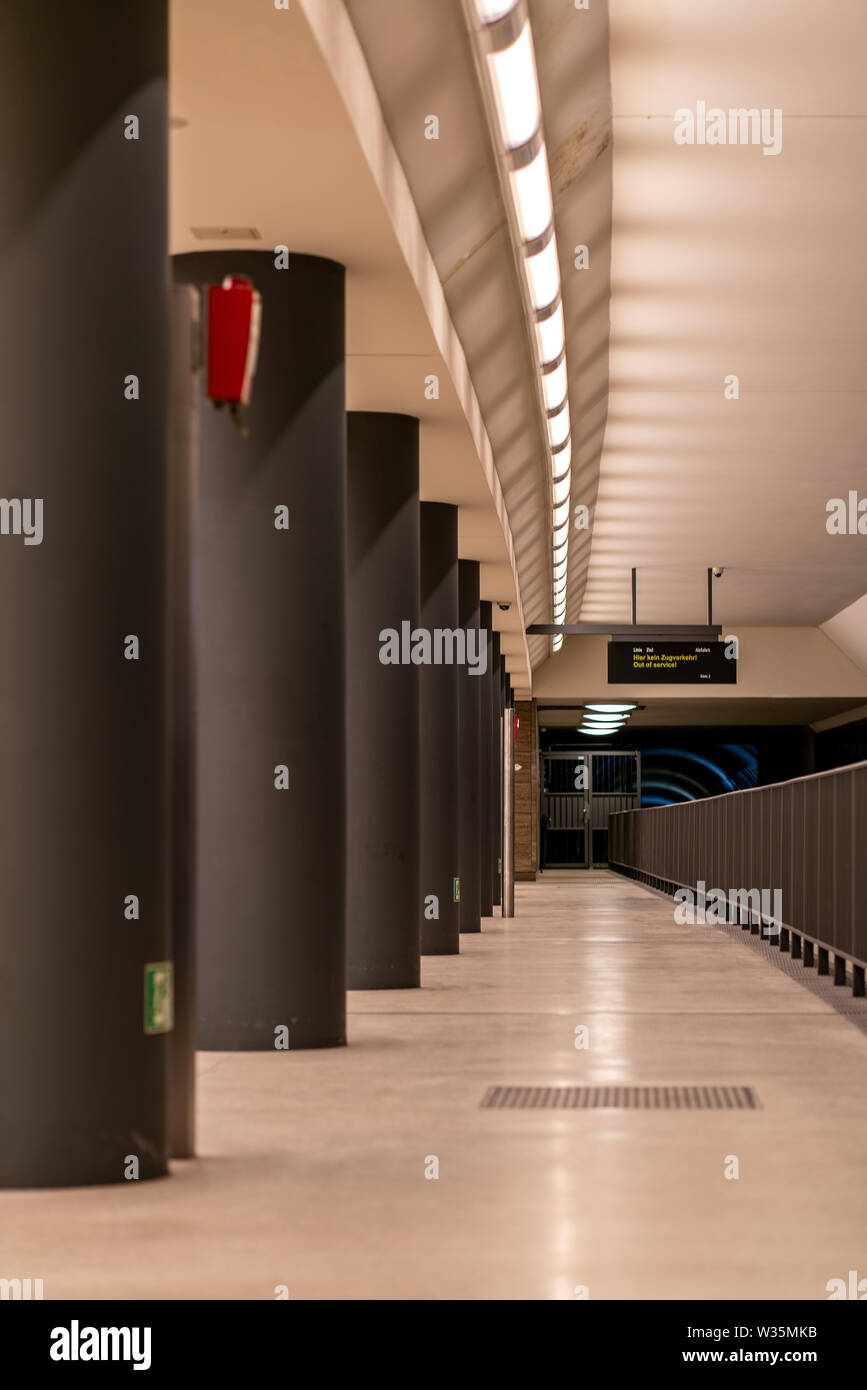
(558, 641)
(561, 515)
(558, 427)
(612, 723)
(543, 280)
(561, 488)
(610, 709)
(560, 570)
(489, 11)
(516, 90)
(550, 339)
(530, 188)
(561, 461)
(554, 386)
(595, 733)
(557, 539)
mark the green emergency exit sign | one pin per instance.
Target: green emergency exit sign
(159, 1004)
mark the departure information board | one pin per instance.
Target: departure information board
(671, 663)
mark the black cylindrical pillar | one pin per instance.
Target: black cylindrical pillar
(508, 804)
(438, 731)
(382, 712)
(183, 474)
(501, 838)
(470, 685)
(486, 753)
(85, 968)
(496, 822)
(270, 580)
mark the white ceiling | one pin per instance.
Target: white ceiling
(725, 260)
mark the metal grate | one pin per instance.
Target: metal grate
(620, 1098)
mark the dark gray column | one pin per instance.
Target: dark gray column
(83, 748)
(180, 511)
(509, 804)
(496, 822)
(270, 580)
(486, 746)
(438, 735)
(470, 690)
(501, 851)
(382, 713)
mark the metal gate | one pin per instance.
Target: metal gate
(577, 794)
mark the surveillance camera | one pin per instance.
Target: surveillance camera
(504, 607)
(717, 572)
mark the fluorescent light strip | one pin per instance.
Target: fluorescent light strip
(530, 188)
(554, 386)
(543, 277)
(562, 460)
(489, 11)
(513, 86)
(512, 72)
(558, 428)
(550, 339)
(561, 489)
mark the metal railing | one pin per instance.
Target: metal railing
(806, 838)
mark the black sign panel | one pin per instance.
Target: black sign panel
(671, 663)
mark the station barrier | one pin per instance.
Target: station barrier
(806, 838)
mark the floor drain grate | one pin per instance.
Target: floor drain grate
(620, 1098)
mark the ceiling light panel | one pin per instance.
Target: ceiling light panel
(549, 336)
(554, 386)
(530, 188)
(561, 489)
(543, 277)
(506, 63)
(489, 11)
(512, 72)
(558, 428)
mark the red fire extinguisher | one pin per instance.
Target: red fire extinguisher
(234, 326)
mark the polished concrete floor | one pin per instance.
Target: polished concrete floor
(312, 1167)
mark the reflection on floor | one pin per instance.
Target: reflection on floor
(313, 1165)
